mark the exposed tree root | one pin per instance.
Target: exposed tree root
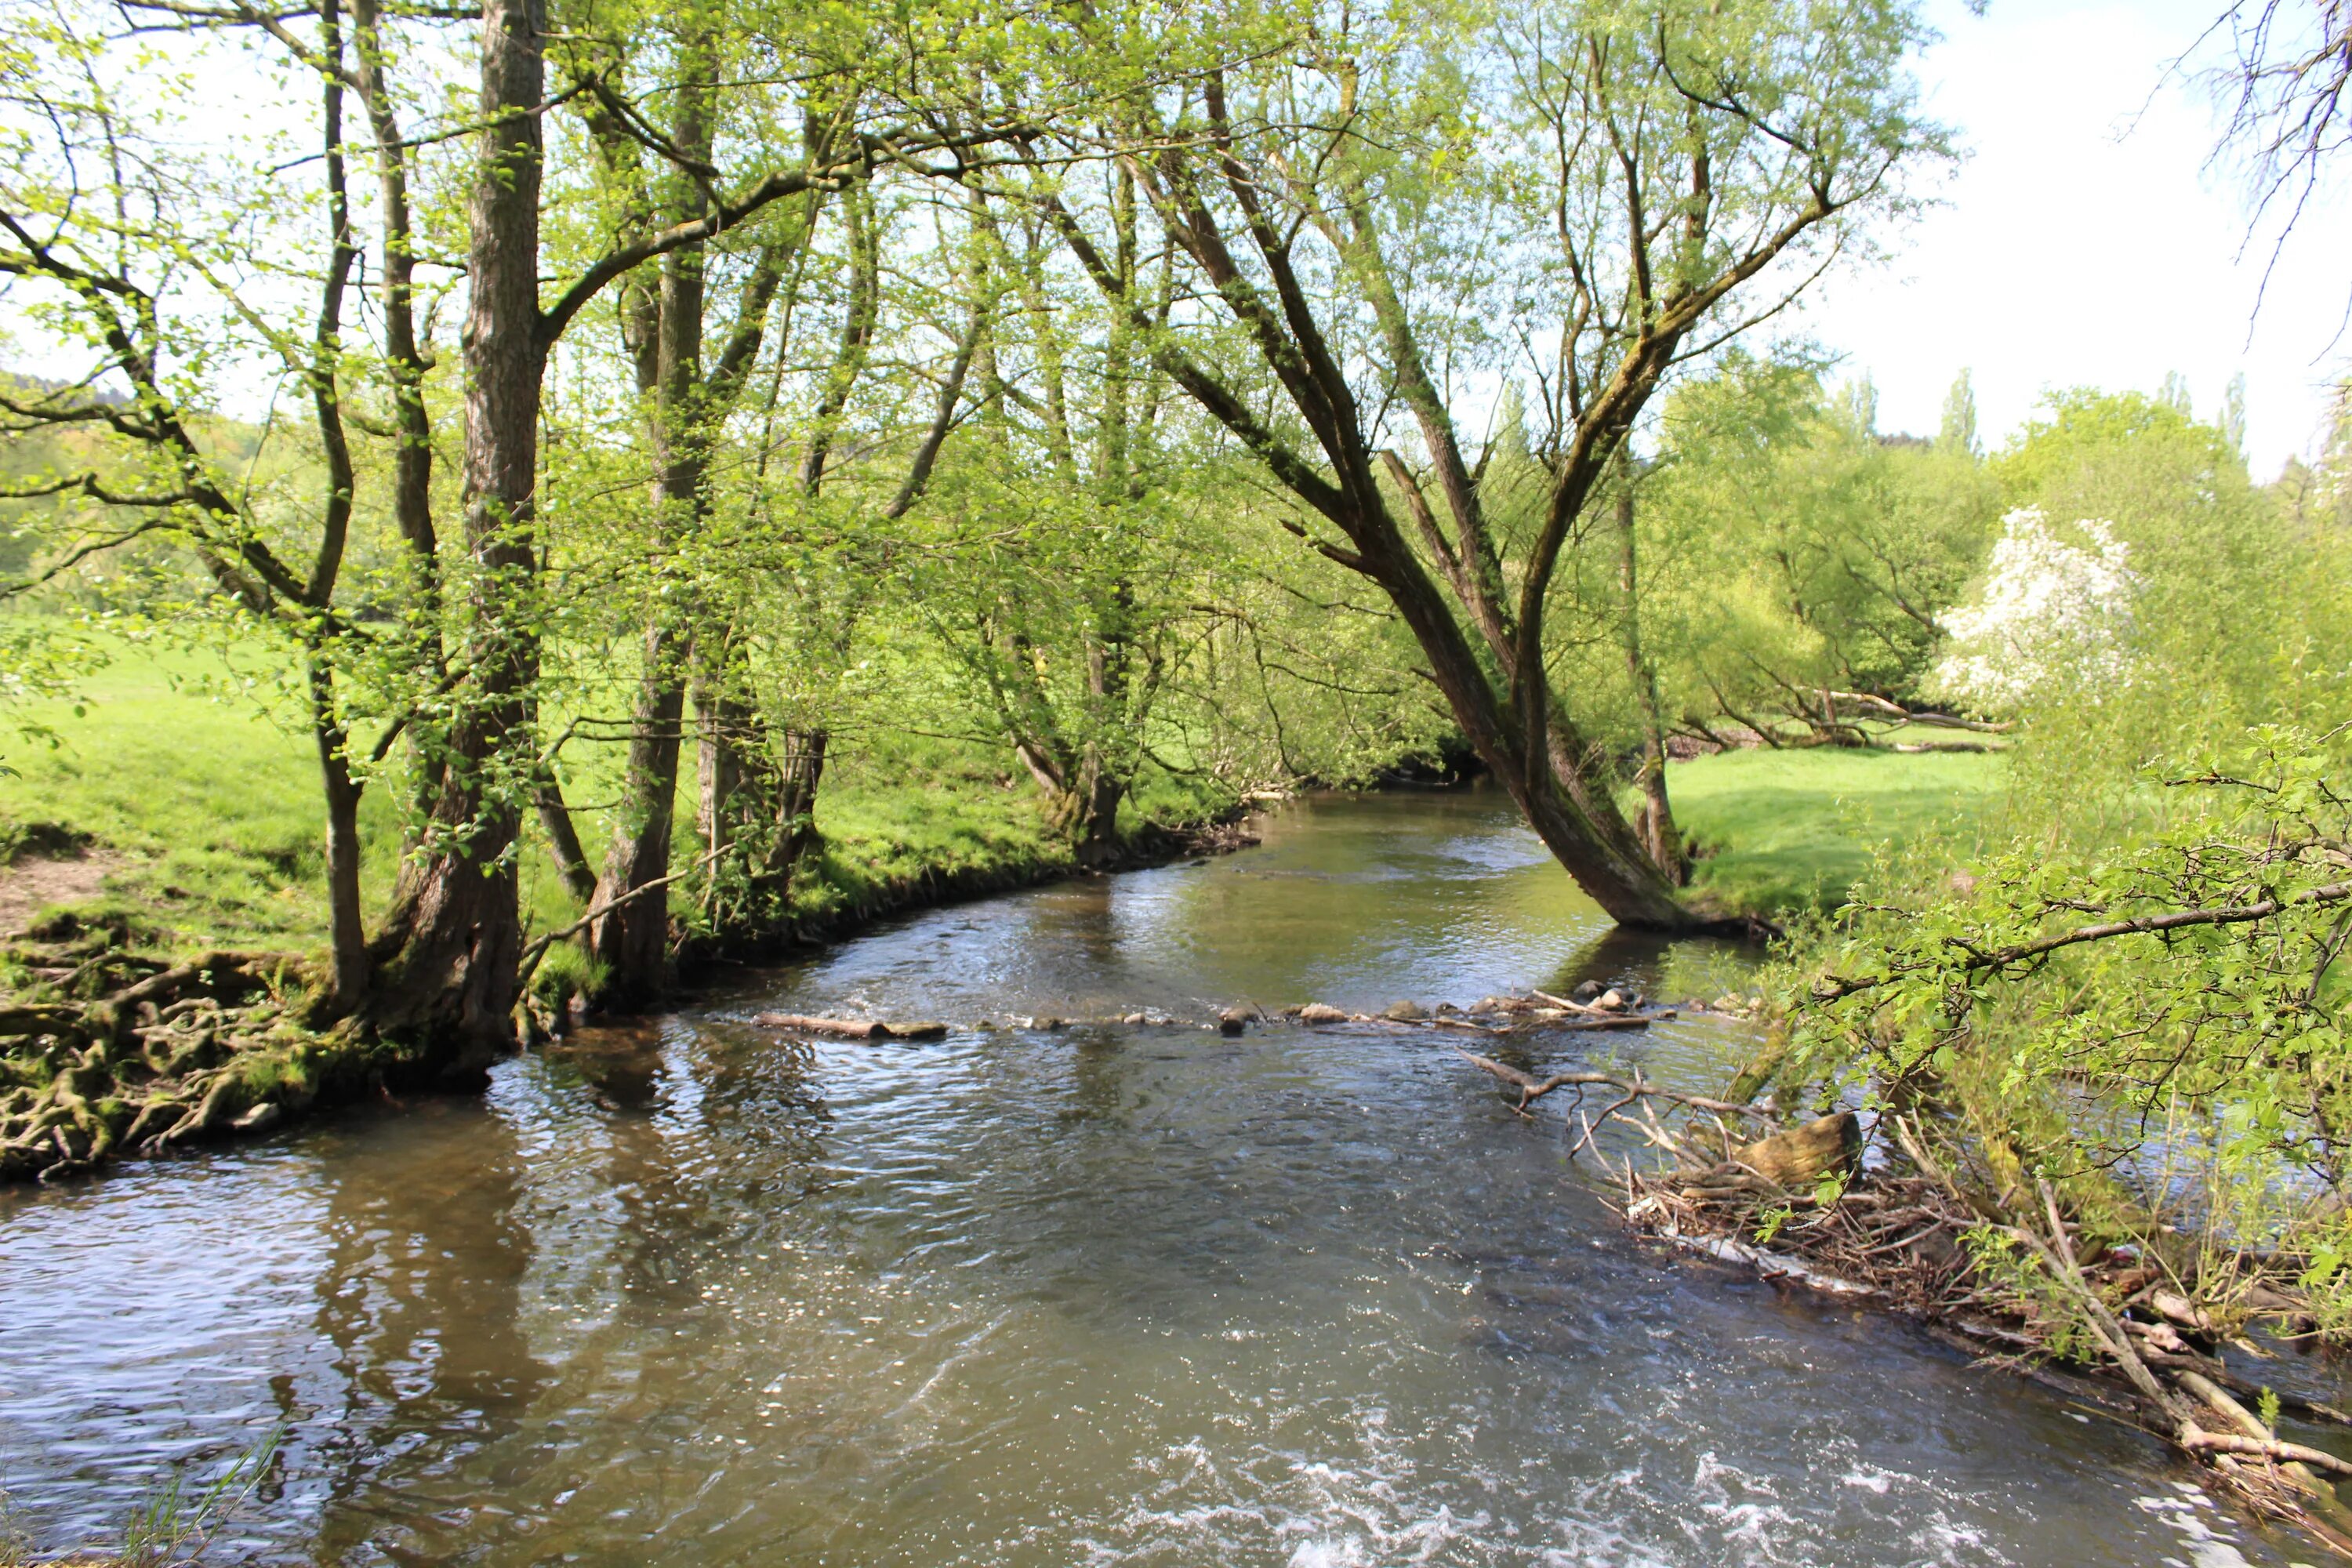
(115, 1052)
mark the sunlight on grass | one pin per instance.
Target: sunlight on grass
(1793, 829)
(178, 763)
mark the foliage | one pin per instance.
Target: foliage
(2049, 611)
(2164, 1016)
(1800, 561)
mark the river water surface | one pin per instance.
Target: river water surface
(697, 1294)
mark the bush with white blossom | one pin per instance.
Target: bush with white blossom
(2050, 610)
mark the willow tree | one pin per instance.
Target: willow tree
(1384, 216)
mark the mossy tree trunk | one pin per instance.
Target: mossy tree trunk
(445, 959)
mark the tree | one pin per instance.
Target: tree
(2051, 610)
(1622, 191)
(1655, 825)
(468, 618)
(1802, 566)
(2283, 88)
(1957, 433)
(126, 272)
(663, 313)
(2331, 475)
(1068, 590)
(2209, 629)
(451, 944)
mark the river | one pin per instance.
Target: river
(693, 1293)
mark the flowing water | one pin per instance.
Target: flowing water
(694, 1293)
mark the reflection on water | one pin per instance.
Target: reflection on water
(692, 1293)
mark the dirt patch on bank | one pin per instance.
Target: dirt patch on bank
(36, 881)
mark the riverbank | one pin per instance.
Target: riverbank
(111, 1048)
(1109, 1289)
(161, 919)
(165, 898)
(170, 795)
(172, 800)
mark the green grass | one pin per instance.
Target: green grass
(1792, 830)
(177, 763)
(172, 764)
(923, 807)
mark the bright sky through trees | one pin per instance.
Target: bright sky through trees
(2085, 241)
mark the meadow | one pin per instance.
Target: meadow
(184, 770)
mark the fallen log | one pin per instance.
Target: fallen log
(852, 1029)
(2195, 1437)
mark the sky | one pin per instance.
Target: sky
(2084, 242)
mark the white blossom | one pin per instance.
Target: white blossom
(2049, 611)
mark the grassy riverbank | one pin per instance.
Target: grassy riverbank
(200, 811)
(1782, 831)
(178, 794)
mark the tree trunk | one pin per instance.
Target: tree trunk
(803, 772)
(1659, 839)
(351, 966)
(1550, 781)
(721, 722)
(563, 838)
(446, 962)
(632, 938)
(1094, 828)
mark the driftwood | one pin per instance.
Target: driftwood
(1914, 1243)
(852, 1029)
(1491, 1016)
(1532, 1088)
(2146, 1349)
(2198, 1440)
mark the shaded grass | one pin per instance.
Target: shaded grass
(899, 810)
(1789, 831)
(180, 761)
(173, 762)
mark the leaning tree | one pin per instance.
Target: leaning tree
(1387, 218)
